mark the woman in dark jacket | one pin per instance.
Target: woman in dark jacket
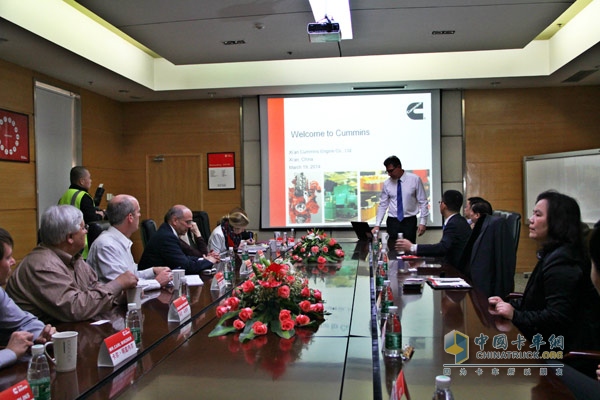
(559, 299)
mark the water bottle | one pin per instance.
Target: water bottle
(244, 249)
(380, 277)
(392, 346)
(38, 373)
(229, 268)
(185, 289)
(386, 302)
(442, 388)
(133, 322)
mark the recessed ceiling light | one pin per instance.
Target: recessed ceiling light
(446, 32)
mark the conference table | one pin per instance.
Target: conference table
(342, 359)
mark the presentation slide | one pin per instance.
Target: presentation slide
(322, 156)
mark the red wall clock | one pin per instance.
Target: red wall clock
(14, 136)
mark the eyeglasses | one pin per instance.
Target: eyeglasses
(189, 222)
(389, 171)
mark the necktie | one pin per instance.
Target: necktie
(400, 206)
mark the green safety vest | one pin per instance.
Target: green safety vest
(73, 197)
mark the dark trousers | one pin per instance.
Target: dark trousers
(408, 227)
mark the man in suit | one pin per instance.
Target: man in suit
(163, 248)
(454, 238)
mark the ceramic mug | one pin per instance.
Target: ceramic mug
(65, 350)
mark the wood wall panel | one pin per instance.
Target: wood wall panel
(16, 89)
(503, 126)
(19, 224)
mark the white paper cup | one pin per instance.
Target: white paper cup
(65, 350)
(134, 295)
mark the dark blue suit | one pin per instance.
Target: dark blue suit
(455, 237)
(163, 249)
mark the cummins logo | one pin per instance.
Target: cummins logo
(415, 110)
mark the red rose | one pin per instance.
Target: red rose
(302, 319)
(314, 249)
(325, 249)
(285, 315)
(246, 314)
(332, 242)
(317, 294)
(238, 324)
(305, 305)
(291, 279)
(283, 292)
(321, 260)
(339, 252)
(305, 292)
(316, 307)
(233, 302)
(248, 286)
(222, 310)
(259, 328)
(287, 325)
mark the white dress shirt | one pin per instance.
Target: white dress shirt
(414, 198)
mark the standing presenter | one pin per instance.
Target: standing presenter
(404, 198)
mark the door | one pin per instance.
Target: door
(173, 179)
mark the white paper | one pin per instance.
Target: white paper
(193, 280)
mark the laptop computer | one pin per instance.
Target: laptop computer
(362, 230)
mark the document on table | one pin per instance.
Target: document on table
(193, 280)
(448, 283)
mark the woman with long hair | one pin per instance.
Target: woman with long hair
(559, 299)
(229, 232)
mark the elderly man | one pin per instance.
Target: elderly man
(110, 255)
(54, 283)
(19, 330)
(454, 238)
(164, 248)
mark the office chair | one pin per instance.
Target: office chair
(513, 220)
(201, 219)
(148, 228)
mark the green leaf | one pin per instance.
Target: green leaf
(221, 330)
(276, 328)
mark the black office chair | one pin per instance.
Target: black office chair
(513, 220)
(147, 228)
(201, 219)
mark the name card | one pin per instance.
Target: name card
(116, 348)
(20, 391)
(179, 310)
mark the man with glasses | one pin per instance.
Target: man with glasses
(110, 255)
(403, 197)
(163, 247)
(54, 283)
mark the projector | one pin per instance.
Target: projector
(324, 32)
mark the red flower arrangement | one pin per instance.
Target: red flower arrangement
(316, 247)
(273, 298)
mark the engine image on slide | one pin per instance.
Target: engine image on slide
(303, 199)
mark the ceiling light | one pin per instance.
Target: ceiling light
(233, 42)
(336, 11)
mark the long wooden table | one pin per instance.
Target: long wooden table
(341, 360)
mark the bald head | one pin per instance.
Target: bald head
(180, 218)
(124, 213)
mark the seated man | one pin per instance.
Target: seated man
(483, 206)
(163, 248)
(110, 254)
(54, 283)
(18, 329)
(454, 238)
(192, 243)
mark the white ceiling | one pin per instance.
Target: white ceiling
(187, 37)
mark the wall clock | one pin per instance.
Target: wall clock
(14, 136)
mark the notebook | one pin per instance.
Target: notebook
(362, 230)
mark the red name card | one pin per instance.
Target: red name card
(179, 310)
(20, 391)
(116, 348)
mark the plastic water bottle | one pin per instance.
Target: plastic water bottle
(133, 322)
(185, 289)
(392, 346)
(229, 268)
(442, 388)
(38, 374)
(386, 302)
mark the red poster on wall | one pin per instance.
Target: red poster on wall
(221, 170)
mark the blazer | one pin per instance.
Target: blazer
(455, 237)
(492, 259)
(163, 249)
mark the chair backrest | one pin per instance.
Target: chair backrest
(513, 219)
(201, 219)
(147, 228)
